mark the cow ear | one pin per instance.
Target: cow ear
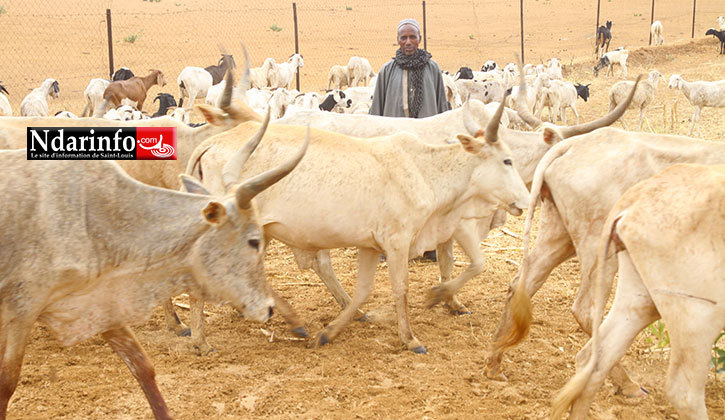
(469, 144)
(190, 184)
(214, 213)
(551, 136)
(212, 114)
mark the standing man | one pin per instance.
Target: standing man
(410, 85)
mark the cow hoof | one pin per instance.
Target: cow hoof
(633, 391)
(323, 339)
(204, 350)
(420, 350)
(461, 310)
(435, 296)
(186, 332)
(496, 376)
(300, 332)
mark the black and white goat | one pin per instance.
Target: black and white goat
(335, 98)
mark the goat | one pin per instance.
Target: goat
(310, 100)
(560, 95)
(166, 101)
(196, 81)
(5, 108)
(553, 69)
(181, 114)
(337, 77)
(489, 65)
(721, 23)
(35, 104)
(604, 36)
(700, 94)
(335, 98)
(719, 35)
(134, 88)
(582, 91)
(643, 96)
(124, 73)
(259, 77)
(285, 72)
(452, 95)
(618, 56)
(463, 73)
(94, 95)
(656, 32)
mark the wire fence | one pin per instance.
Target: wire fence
(68, 39)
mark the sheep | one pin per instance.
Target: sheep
(618, 56)
(337, 77)
(656, 33)
(721, 23)
(643, 96)
(700, 94)
(35, 104)
(286, 72)
(719, 35)
(604, 36)
(259, 76)
(124, 73)
(359, 70)
(122, 113)
(134, 88)
(5, 108)
(166, 101)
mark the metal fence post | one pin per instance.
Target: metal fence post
(297, 42)
(521, 8)
(651, 21)
(425, 36)
(110, 44)
(694, 3)
(596, 28)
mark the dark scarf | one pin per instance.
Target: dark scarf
(415, 64)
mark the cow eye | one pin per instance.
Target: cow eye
(507, 162)
(254, 243)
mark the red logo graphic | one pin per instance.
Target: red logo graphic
(156, 143)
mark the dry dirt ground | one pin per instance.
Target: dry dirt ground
(365, 373)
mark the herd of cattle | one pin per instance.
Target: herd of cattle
(92, 247)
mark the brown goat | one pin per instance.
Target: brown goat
(134, 89)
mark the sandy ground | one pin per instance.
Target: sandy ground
(365, 373)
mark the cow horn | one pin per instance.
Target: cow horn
(491, 133)
(606, 120)
(259, 183)
(522, 110)
(233, 168)
(226, 101)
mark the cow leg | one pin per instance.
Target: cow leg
(124, 343)
(196, 318)
(466, 234)
(321, 264)
(367, 260)
(691, 344)
(398, 268)
(587, 251)
(444, 252)
(553, 246)
(14, 334)
(631, 311)
(173, 323)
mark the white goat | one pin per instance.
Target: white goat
(337, 77)
(721, 23)
(214, 94)
(700, 94)
(485, 91)
(560, 95)
(359, 70)
(643, 96)
(553, 69)
(618, 56)
(259, 77)
(94, 96)
(656, 31)
(35, 104)
(193, 82)
(5, 108)
(285, 72)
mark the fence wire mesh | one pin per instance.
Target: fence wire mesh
(67, 39)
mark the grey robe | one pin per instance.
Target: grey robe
(388, 95)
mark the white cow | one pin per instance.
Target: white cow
(669, 235)
(87, 250)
